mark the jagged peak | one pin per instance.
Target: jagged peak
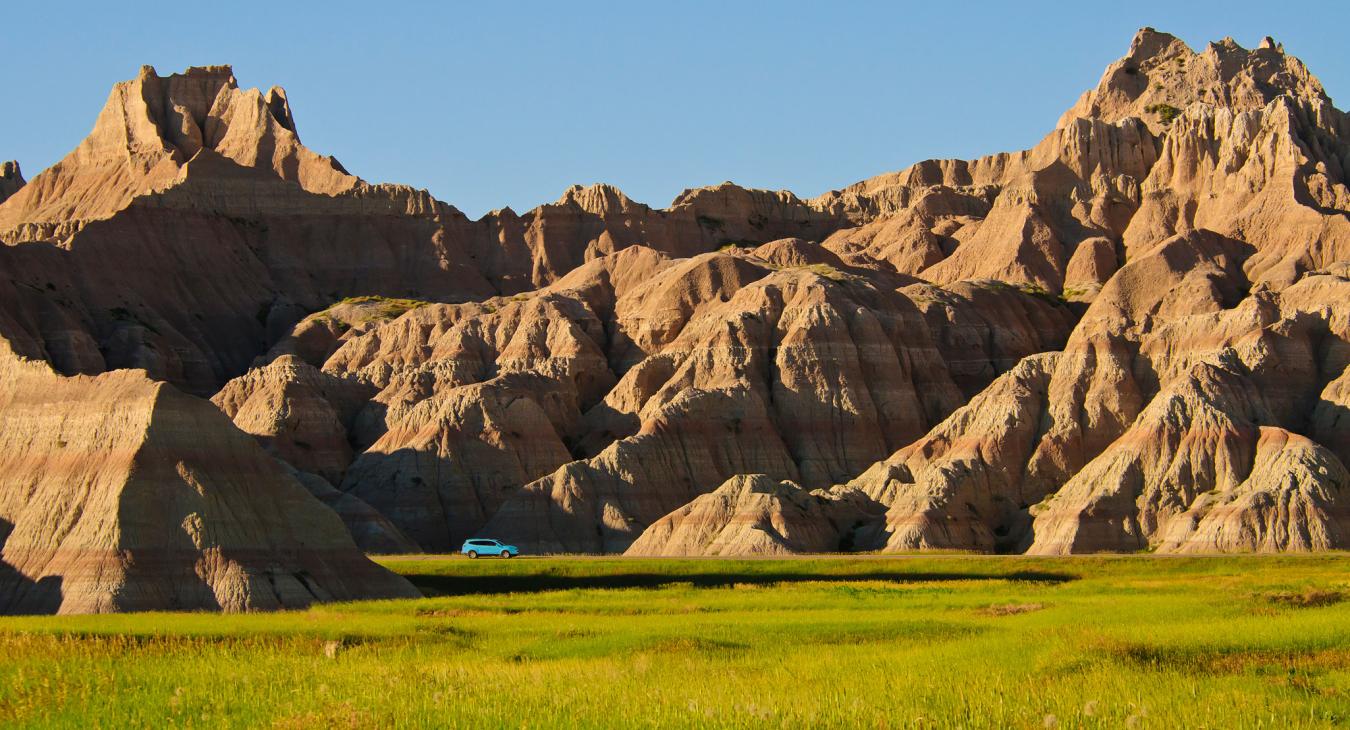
(1160, 74)
(218, 71)
(11, 179)
(689, 194)
(149, 129)
(280, 107)
(728, 189)
(598, 198)
(1151, 43)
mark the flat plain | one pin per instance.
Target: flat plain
(931, 641)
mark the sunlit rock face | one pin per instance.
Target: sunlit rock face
(1132, 336)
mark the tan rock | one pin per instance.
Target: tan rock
(1197, 472)
(1249, 176)
(807, 374)
(149, 128)
(315, 338)
(1091, 265)
(965, 485)
(1331, 417)
(120, 494)
(984, 328)
(296, 412)
(447, 466)
(371, 531)
(11, 179)
(1291, 501)
(1014, 217)
(595, 367)
(753, 515)
(1160, 69)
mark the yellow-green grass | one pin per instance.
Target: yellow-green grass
(951, 641)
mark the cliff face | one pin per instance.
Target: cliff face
(1132, 336)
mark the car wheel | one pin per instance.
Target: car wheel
(506, 553)
(473, 554)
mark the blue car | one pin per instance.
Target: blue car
(474, 548)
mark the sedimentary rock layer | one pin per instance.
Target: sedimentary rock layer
(121, 494)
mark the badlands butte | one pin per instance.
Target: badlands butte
(230, 367)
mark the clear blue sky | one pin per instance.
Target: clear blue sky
(509, 104)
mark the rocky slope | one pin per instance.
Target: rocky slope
(1133, 336)
(120, 494)
(754, 515)
(808, 371)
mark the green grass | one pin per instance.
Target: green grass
(946, 641)
(1166, 112)
(372, 308)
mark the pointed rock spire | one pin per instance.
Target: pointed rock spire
(11, 179)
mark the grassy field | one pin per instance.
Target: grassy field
(908, 642)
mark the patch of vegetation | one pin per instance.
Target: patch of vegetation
(1091, 641)
(122, 314)
(1166, 112)
(1307, 598)
(736, 245)
(711, 223)
(378, 308)
(1040, 292)
(1012, 609)
(248, 223)
(829, 272)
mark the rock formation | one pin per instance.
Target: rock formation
(615, 361)
(1132, 336)
(11, 179)
(968, 483)
(1198, 473)
(121, 494)
(1159, 68)
(754, 515)
(211, 184)
(298, 413)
